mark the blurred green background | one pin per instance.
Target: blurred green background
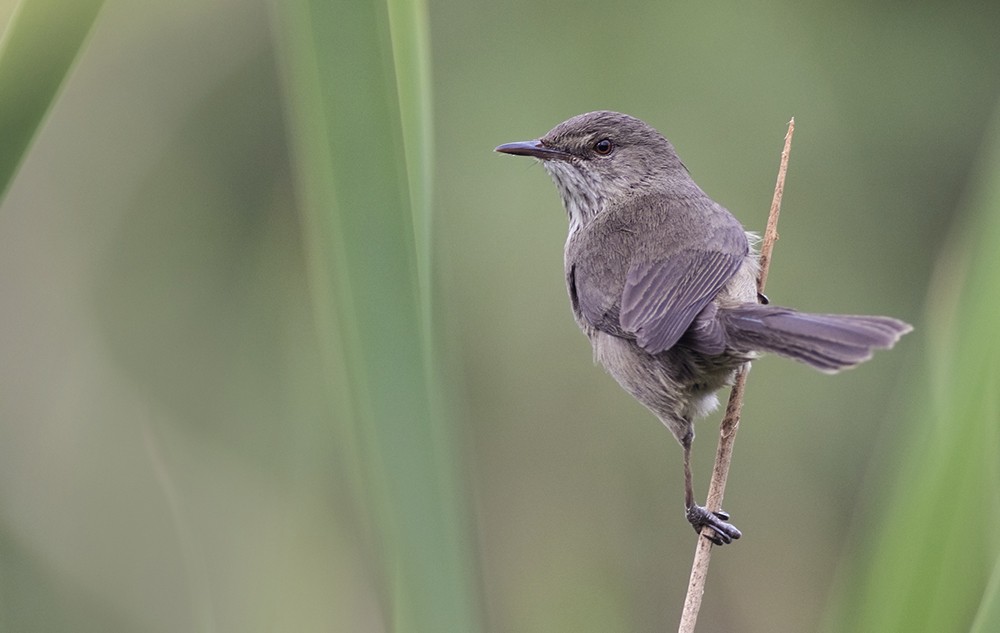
(286, 346)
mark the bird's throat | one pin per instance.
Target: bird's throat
(580, 191)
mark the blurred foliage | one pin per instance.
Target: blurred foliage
(936, 537)
(39, 45)
(988, 616)
(280, 356)
(357, 98)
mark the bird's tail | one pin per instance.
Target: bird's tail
(828, 342)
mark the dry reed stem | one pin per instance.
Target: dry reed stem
(731, 420)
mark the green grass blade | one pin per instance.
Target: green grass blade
(38, 48)
(411, 56)
(988, 618)
(937, 536)
(356, 77)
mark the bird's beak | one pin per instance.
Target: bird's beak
(533, 148)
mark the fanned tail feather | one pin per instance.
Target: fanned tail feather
(828, 342)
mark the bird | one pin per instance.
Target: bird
(663, 281)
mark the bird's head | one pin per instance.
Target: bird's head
(602, 157)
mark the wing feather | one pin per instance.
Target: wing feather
(662, 298)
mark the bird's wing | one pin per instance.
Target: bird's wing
(661, 298)
(594, 304)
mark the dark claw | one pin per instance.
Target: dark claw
(722, 533)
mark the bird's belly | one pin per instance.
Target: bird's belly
(677, 385)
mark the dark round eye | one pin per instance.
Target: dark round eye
(604, 146)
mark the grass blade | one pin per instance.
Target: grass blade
(37, 51)
(936, 540)
(356, 76)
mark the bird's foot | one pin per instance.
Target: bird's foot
(721, 532)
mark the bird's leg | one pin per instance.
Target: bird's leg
(698, 516)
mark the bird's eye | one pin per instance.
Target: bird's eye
(604, 146)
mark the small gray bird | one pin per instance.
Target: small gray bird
(662, 279)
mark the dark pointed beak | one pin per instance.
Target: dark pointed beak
(533, 148)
